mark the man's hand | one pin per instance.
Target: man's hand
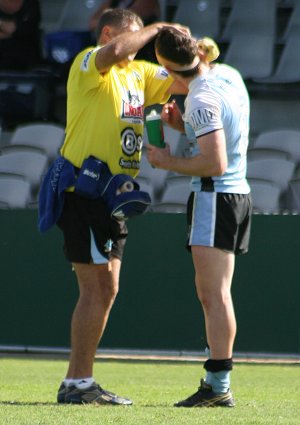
(171, 115)
(158, 157)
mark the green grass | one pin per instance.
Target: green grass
(265, 394)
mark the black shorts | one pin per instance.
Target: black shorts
(220, 220)
(91, 236)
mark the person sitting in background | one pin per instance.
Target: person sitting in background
(20, 43)
(148, 10)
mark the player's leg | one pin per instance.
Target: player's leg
(98, 287)
(213, 276)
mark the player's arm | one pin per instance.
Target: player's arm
(120, 47)
(212, 161)
(123, 45)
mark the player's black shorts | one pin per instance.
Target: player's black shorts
(91, 236)
(220, 220)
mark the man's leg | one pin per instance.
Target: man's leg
(98, 287)
(214, 271)
(213, 275)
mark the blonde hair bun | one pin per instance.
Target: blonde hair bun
(210, 47)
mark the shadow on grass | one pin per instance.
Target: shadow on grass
(29, 403)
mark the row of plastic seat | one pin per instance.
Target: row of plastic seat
(24, 161)
(251, 35)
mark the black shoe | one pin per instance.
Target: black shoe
(205, 397)
(61, 394)
(93, 394)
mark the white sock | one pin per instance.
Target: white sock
(83, 383)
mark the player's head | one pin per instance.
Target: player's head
(177, 52)
(114, 22)
(208, 49)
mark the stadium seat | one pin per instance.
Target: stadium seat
(76, 13)
(285, 140)
(276, 170)
(48, 137)
(265, 196)
(259, 153)
(293, 26)
(252, 54)
(256, 17)
(288, 68)
(201, 16)
(293, 195)
(15, 191)
(30, 165)
(175, 195)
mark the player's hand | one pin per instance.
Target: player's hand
(172, 116)
(158, 157)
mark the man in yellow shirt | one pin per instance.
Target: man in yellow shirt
(107, 93)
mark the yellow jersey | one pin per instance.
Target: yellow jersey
(105, 113)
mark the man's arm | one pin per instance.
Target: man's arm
(128, 43)
(212, 161)
(124, 45)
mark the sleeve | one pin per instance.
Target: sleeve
(157, 83)
(84, 68)
(204, 115)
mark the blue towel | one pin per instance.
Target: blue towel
(59, 177)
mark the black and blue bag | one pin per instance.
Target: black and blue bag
(121, 192)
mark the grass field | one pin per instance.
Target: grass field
(265, 394)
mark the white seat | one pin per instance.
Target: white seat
(15, 191)
(277, 170)
(31, 165)
(156, 176)
(177, 190)
(201, 16)
(265, 196)
(286, 140)
(293, 195)
(260, 153)
(288, 67)
(48, 137)
(76, 14)
(293, 26)
(255, 17)
(146, 186)
(252, 54)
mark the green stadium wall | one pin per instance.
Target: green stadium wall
(157, 307)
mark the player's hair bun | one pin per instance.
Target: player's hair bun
(210, 47)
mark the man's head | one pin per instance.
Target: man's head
(115, 21)
(177, 52)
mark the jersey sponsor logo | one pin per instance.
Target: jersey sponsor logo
(129, 164)
(161, 73)
(203, 116)
(85, 62)
(132, 108)
(131, 142)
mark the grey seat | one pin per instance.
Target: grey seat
(256, 17)
(276, 170)
(15, 191)
(30, 165)
(201, 16)
(288, 68)
(48, 137)
(285, 140)
(265, 196)
(293, 26)
(293, 195)
(252, 54)
(175, 195)
(76, 13)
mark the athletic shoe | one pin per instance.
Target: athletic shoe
(61, 394)
(93, 394)
(205, 397)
